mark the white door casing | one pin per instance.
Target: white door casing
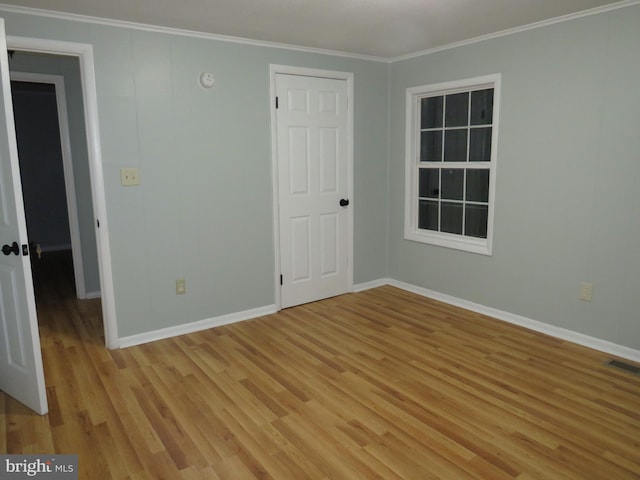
(84, 52)
(313, 161)
(21, 370)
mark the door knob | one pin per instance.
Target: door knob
(344, 202)
(8, 249)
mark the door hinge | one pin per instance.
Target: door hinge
(280, 279)
(276, 102)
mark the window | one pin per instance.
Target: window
(451, 163)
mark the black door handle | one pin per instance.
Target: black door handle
(344, 202)
(14, 247)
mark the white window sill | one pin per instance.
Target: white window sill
(456, 242)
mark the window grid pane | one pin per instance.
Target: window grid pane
(481, 107)
(431, 115)
(431, 146)
(451, 217)
(480, 144)
(428, 215)
(455, 128)
(456, 145)
(456, 110)
(448, 195)
(429, 183)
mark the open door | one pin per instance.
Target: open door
(21, 371)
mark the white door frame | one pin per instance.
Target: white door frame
(84, 52)
(67, 164)
(308, 72)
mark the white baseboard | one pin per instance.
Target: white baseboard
(197, 326)
(557, 332)
(361, 287)
(92, 295)
(535, 325)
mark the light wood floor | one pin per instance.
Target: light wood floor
(382, 384)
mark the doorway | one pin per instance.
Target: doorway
(21, 365)
(86, 88)
(49, 167)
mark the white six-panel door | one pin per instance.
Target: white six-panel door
(21, 371)
(313, 178)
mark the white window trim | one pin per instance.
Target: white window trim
(411, 232)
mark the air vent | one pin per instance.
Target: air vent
(627, 367)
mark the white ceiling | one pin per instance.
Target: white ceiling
(381, 28)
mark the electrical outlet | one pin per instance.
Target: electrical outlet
(180, 286)
(129, 176)
(586, 291)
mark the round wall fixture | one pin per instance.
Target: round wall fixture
(207, 80)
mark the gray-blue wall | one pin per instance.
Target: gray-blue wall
(568, 176)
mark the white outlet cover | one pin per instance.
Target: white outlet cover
(129, 176)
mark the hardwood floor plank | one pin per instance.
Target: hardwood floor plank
(318, 443)
(391, 453)
(294, 455)
(382, 384)
(166, 434)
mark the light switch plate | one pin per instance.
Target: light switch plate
(586, 291)
(129, 176)
(180, 286)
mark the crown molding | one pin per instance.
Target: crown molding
(182, 32)
(286, 46)
(524, 28)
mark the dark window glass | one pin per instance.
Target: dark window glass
(428, 215)
(451, 221)
(457, 110)
(482, 107)
(452, 183)
(477, 185)
(429, 182)
(455, 145)
(475, 222)
(431, 112)
(431, 146)
(480, 145)
(455, 128)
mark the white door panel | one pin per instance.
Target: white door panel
(21, 372)
(329, 236)
(10, 308)
(300, 232)
(299, 161)
(313, 176)
(329, 156)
